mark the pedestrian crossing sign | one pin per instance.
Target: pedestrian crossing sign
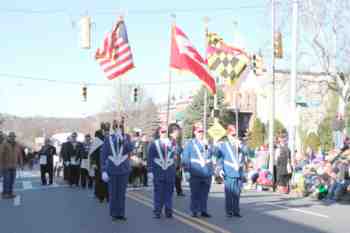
(216, 131)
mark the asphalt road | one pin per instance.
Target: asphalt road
(60, 209)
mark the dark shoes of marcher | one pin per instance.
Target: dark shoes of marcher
(237, 215)
(8, 196)
(119, 218)
(205, 215)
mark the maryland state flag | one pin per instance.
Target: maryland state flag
(227, 61)
(185, 57)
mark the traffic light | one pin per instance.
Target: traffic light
(257, 63)
(85, 32)
(254, 63)
(277, 45)
(84, 93)
(135, 94)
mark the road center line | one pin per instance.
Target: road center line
(184, 215)
(179, 218)
(296, 210)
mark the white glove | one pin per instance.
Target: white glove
(105, 177)
(187, 176)
(66, 163)
(221, 173)
(150, 178)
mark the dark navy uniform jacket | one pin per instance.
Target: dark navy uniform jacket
(117, 162)
(162, 160)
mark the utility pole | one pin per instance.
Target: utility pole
(293, 106)
(272, 98)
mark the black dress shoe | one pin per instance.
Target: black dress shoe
(169, 215)
(205, 215)
(122, 218)
(181, 195)
(229, 215)
(194, 215)
(237, 215)
(114, 219)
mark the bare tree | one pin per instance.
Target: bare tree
(142, 113)
(325, 30)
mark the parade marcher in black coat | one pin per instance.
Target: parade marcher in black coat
(72, 156)
(84, 168)
(63, 153)
(46, 154)
(101, 188)
(174, 134)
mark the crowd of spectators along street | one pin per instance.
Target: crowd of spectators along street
(313, 173)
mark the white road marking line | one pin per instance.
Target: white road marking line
(27, 185)
(17, 201)
(42, 188)
(296, 210)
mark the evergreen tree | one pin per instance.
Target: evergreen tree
(325, 127)
(194, 112)
(313, 141)
(257, 134)
(278, 128)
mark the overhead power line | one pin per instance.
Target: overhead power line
(132, 12)
(80, 83)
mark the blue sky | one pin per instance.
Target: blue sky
(46, 45)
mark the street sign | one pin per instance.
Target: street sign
(216, 131)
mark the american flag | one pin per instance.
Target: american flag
(114, 56)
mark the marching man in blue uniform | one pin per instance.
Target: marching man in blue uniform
(230, 163)
(198, 165)
(115, 166)
(161, 169)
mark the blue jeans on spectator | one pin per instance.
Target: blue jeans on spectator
(337, 190)
(9, 180)
(338, 139)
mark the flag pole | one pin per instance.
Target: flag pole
(173, 23)
(205, 104)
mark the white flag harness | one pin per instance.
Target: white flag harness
(119, 158)
(201, 161)
(161, 162)
(235, 163)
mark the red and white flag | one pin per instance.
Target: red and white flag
(185, 57)
(114, 56)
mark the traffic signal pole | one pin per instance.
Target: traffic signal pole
(272, 100)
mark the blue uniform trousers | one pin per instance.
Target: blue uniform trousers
(232, 195)
(117, 190)
(200, 187)
(163, 196)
